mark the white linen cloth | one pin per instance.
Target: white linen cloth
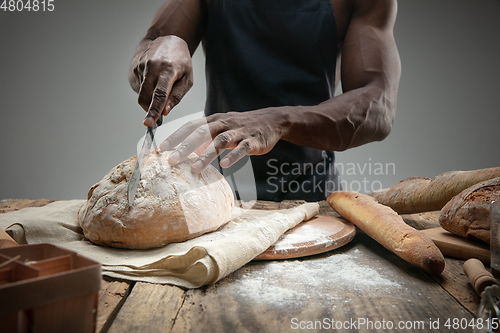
(191, 264)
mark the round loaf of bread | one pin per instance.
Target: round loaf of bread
(172, 204)
(468, 213)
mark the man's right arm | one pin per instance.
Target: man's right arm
(161, 71)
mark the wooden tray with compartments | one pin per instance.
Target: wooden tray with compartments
(46, 288)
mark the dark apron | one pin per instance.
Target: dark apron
(270, 53)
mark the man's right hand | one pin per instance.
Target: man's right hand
(164, 74)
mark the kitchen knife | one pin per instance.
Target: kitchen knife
(149, 138)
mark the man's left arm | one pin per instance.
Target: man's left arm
(370, 73)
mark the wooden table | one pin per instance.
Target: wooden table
(359, 287)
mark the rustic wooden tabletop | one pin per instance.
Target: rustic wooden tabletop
(359, 287)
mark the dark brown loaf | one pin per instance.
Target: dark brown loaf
(468, 214)
(386, 227)
(419, 194)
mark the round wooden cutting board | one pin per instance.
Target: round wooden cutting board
(317, 235)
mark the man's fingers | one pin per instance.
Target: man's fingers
(187, 139)
(244, 148)
(196, 139)
(179, 89)
(159, 99)
(165, 61)
(202, 148)
(146, 91)
(223, 141)
(210, 154)
(182, 133)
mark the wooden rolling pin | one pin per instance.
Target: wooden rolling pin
(6, 240)
(479, 277)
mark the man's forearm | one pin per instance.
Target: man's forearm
(349, 120)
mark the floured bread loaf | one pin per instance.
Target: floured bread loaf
(468, 213)
(172, 204)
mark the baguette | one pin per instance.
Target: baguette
(420, 194)
(386, 227)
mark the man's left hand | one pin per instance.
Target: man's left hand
(245, 133)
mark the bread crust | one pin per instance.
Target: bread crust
(468, 214)
(420, 194)
(172, 204)
(386, 227)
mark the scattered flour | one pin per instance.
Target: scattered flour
(319, 279)
(308, 233)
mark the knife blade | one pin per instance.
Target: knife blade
(133, 183)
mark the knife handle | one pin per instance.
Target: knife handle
(160, 120)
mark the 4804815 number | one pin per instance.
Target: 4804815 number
(27, 6)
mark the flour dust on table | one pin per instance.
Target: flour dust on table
(311, 279)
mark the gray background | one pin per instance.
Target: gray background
(69, 115)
